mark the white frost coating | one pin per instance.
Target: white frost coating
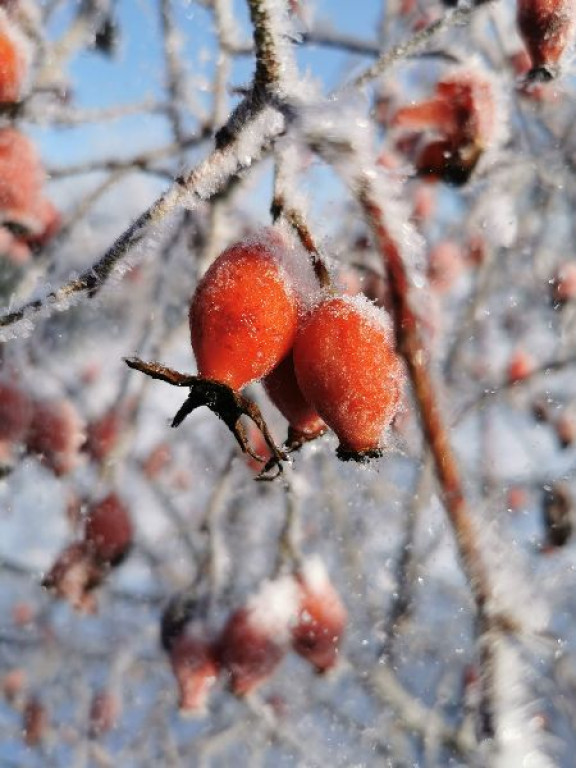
(283, 32)
(315, 575)
(294, 260)
(512, 592)
(210, 176)
(494, 217)
(345, 136)
(520, 740)
(273, 609)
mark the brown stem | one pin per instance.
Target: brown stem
(411, 346)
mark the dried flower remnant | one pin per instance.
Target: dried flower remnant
(547, 28)
(322, 617)
(255, 639)
(460, 122)
(347, 367)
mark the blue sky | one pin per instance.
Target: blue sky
(136, 72)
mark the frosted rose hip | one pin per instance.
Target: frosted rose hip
(243, 316)
(347, 368)
(547, 28)
(255, 638)
(322, 617)
(283, 390)
(109, 531)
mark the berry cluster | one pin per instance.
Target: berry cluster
(302, 611)
(325, 361)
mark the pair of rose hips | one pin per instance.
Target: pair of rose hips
(324, 360)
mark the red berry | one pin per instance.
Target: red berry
(565, 428)
(564, 283)
(283, 390)
(34, 722)
(348, 369)
(255, 638)
(102, 435)
(21, 179)
(56, 434)
(520, 366)
(157, 461)
(321, 620)
(13, 683)
(547, 28)
(15, 412)
(104, 713)
(445, 265)
(195, 668)
(109, 532)
(13, 58)
(244, 314)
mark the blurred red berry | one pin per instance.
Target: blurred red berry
(21, 180)
(56, 434)
(13, 61)
(74, 576)
(565, 428)
(547, 29)
(255, 638)
(244, 314)
(564, 283)
(103, 434)
(15, 411)
(157, 461)
(104, 713)
(322, 617)
(13, 683)
(445, 265)
(34, 722)
(348, 369)
(195, 668)
(109, 531)
(520, 366)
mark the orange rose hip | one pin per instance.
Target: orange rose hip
(348, 369)
(243, 316)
